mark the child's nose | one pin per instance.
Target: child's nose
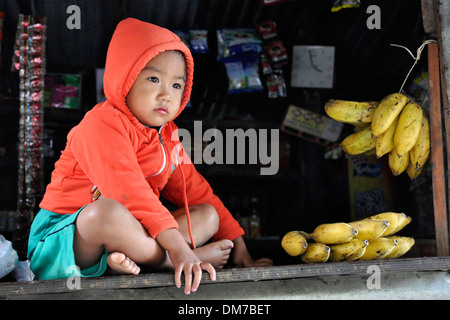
(164, 94)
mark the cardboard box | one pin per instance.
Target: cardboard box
(311, 126)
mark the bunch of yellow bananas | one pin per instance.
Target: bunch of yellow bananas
(369, 239)
(396, 126)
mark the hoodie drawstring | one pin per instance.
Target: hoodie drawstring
(187, 208)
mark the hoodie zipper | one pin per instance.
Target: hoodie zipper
(161, 143)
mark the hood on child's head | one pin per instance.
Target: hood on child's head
(133, 44)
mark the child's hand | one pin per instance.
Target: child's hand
(242, 257)
(262, 262)
(185, 260)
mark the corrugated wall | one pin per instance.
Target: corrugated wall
(298, 21)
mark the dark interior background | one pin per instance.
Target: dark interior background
(308, 189)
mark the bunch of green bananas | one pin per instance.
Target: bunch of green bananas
(369, 239)
(396, 126)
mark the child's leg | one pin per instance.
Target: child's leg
(107, 225)
(205, 224)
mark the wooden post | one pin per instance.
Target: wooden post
(437, 155)
(436, 23)
(442, 21)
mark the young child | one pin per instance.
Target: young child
(102, 205)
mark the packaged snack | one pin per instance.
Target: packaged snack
(277, 52)
(273, 58)
(63, 90)
(198, 41)
(267, 30)
(276, 86)
(237, 42)
(183, 35)
(265, 63)
(344, 4)
(243, 74)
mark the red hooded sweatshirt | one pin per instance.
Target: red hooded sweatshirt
(112, 155)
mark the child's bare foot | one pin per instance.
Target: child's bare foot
(216, 253)
(120, 263)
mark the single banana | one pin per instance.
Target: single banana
(333, 233)
(388, 109)
(359, 142)
(421, 150)
(404, 244)
(341, 252)
(406, 221)
(385, 141)
(379, 249)
(358, 253)
(398, 162)
(316, 253)
(396, 220)
(294, 243)
(408, 127)
(352, 112)
(369, 229)
(412, 172)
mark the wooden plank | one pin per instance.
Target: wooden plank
(428, 16)
(442, 8)
(437, 153)
(152, 280)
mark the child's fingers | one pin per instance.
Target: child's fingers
(178, 272)
(210, 269)
(187, 280)
(197, 277)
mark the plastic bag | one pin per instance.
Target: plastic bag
(8, 257)
(22, 271)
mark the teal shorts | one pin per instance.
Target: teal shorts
(50, 248)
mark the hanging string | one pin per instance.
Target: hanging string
(416, 58)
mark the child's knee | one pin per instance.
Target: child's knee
(209, 214)
(102, 211)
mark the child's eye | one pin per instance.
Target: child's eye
(153, 79)
(177, 86)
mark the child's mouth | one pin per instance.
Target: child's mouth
(162, 111)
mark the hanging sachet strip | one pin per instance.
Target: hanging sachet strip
(29, 61)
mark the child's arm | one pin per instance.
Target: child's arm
(184, 260)
(241, 256)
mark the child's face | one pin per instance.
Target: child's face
(155, 96)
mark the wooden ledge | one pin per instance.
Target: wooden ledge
(152, 280)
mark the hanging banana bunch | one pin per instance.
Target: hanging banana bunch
(396, 126)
